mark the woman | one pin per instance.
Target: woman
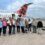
(18, 25)
(26, 23)
(4, 26)
(1, 25)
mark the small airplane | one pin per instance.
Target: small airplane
(21, 11)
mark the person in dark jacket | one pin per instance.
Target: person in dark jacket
(10, 25)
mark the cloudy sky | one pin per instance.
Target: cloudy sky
(37, 9)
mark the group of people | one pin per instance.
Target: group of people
(12, 24)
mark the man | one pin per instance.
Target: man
(10, 25)
(29, 24)
(13, 25)
(22, 25)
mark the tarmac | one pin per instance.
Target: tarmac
(24, 39)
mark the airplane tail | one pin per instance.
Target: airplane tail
(23, 9)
